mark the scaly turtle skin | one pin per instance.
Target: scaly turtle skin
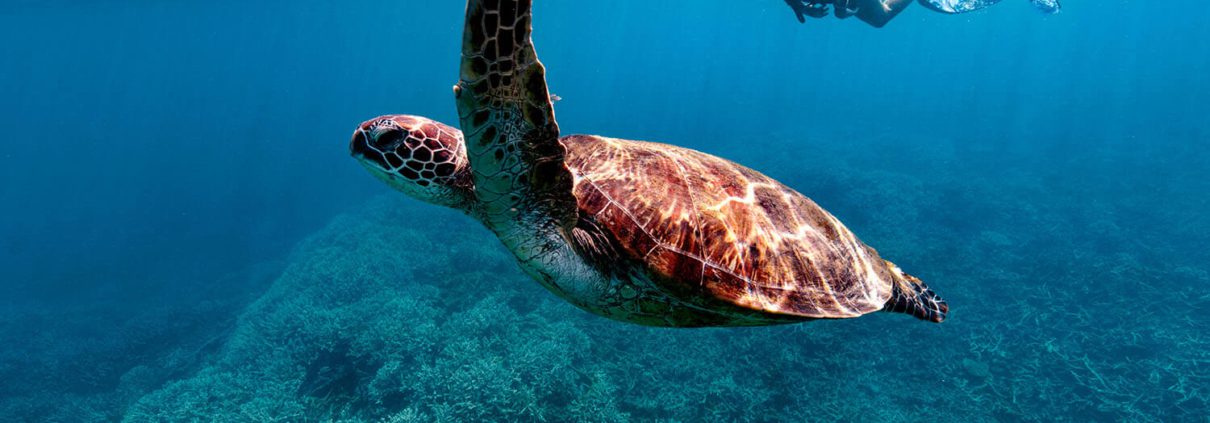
(636, 231)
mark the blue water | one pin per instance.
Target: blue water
(186, 239)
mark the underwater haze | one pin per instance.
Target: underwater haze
(185, 237)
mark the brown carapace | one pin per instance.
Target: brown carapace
(636, 231)
(709, 229)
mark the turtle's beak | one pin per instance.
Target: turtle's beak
(360, 149)
(359, 144)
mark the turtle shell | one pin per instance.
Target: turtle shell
(709, 231)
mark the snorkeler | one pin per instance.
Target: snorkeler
(878, 12)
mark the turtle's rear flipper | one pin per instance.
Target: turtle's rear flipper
(910, 295)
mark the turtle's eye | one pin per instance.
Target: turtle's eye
(388, 140)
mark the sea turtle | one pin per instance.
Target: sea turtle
(635, 231)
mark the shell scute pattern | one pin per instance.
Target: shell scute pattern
(712, 231)
(415, 149)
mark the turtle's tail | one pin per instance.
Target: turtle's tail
(909, 295)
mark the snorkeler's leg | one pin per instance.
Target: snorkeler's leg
(878, 12)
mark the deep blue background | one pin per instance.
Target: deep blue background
(152, 146)
(147, 142)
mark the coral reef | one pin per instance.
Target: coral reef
(1066, 308)
(88, 362)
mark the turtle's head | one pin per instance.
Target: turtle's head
(421, 157)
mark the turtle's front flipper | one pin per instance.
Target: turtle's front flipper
(512, 139)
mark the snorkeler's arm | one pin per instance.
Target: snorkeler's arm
(798, 7)
(1049, 7)
(804, 8)
(845, 8)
